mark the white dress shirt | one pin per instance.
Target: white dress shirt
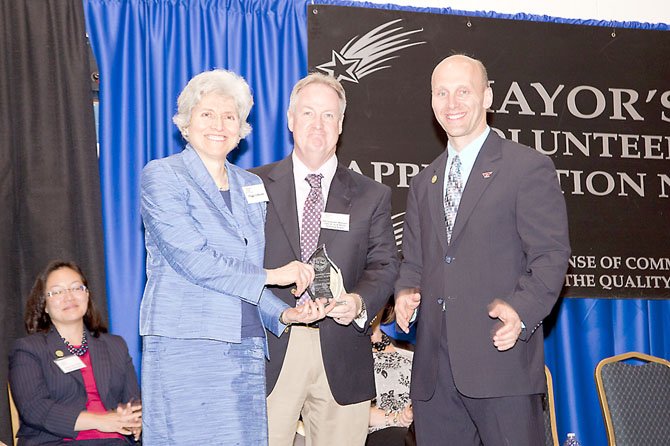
(468, 156)
(302, 188)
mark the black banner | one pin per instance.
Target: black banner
(596, 100)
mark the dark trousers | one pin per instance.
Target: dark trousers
(452, 419)
(390, 436)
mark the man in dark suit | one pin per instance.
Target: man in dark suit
(325, 371)
(485, 248)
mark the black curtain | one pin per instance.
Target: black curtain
(49, 182)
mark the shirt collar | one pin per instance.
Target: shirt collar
(327, 169)
(469, 153)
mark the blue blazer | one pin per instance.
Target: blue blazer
(202, 259)
(48, 400)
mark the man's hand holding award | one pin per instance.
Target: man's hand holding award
(328, 284)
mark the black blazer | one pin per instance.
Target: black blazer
(510, 241)
(366, 254)
(49, 400)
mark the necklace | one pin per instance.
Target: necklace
(222, 184)
(77, 351)
(381, 345)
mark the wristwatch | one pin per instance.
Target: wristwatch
(364, 309)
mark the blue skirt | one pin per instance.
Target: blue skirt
(203, 392)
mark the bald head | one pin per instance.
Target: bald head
(476, 67)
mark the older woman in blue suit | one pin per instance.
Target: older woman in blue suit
(205, 309)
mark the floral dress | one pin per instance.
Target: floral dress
(392, 378)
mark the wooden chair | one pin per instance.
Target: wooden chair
(14, 415)
(550, 430)
(635, 399)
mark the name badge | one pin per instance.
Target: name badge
(255, 193)
(69, 363)
(337, 222)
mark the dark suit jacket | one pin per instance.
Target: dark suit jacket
(510, 241)
(366, 254)
(48, 400)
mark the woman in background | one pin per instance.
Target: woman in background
(205, 308)
(391, 412)
(72, 382)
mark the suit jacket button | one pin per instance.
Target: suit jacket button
(448, 259)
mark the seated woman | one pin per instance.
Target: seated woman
(72, 382)
(391, 411)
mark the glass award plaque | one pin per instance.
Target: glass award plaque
(328, 282)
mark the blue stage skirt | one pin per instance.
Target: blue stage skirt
(203, 392)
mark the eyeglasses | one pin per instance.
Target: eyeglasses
(60, 293)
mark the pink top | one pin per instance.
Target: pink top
(93, 404)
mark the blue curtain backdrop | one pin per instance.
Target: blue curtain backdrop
(148, 49)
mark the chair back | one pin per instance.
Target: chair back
(550, 430)
(14, 415)
(635, 399)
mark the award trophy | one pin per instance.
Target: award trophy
(328, 282)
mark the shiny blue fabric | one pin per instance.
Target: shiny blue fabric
(148, 49)
(224, 404)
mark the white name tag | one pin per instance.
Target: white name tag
(338, 222)
(255, 193)
(69, 363)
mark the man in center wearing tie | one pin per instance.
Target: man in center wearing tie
(486, 249)
(324, 372)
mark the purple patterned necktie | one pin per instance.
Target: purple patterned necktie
(452, 197)
(311, 221)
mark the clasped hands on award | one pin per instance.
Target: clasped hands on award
(342, 309)
(308, 312)
(347, 306)
(302, 275)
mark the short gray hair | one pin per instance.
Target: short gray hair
(319, 78)
(221, 82)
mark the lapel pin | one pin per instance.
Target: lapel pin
(434, 179)
(488, 174)
(59, 353)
